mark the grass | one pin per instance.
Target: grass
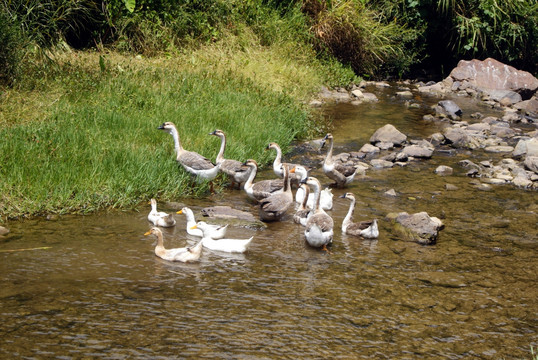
(82, 136)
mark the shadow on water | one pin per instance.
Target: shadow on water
(97, 290)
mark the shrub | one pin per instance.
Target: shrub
(10, 50)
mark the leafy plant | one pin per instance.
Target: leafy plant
(11, 45)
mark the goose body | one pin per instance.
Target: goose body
(213, 231)
(319, 226)
(192, 162)
(185, 254)
(303, 212)
(326, 199)
(272, 208)
(278, 165)
(234, 169)
(260, 189)
(367, 229)
(341, 174)
(226, 245)
(160, 218)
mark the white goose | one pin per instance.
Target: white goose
(160, 218)
(185, 254)
(261, 189)
(367, 229)
(319, 226)
(341, 174)
(326, 200)
(278, 165)
(213, 231)
(236, 171)
(227, 245)
(192, 162)
(273, 207)
(303, 212)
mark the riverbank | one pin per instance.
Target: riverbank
(81, 135)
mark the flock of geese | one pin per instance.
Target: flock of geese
(274, 198)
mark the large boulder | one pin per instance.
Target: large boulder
(491, 74)
(388, 134)
(418, 227)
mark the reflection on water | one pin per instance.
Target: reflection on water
(98, 291)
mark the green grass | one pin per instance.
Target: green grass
(99, 145)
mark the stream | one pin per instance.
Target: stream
(91, 286)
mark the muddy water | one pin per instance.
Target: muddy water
(92, 288)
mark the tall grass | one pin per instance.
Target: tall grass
(100, 147)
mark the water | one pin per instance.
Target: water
(92, 287)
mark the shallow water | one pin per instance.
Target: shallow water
(94, 289)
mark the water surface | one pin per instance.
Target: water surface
(96, 290)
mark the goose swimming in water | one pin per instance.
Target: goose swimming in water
(185, 254)
(160, 218)
(303, 212)
(273, 207)
(278, 165)
(213, 231)
(367, 229)
(261, 189)
(341, 174)
(326, 199)
(227, 245)
(319, 226)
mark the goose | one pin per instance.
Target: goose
(160, 218)
(184, 254)
(303, 212)
(273, 207)
(199, 166)
(326, 199)
(237, 173)
(278, 164)
(213, 231)
(341, 174)
(261, 189)
(227, 245)
(367, 229)
(319, 226)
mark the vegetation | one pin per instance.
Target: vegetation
(85, 83)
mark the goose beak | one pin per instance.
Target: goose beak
(161, 127)
(293, 170)
(179, 212)
(342, 196)
(194, 227)
(213, 133)
(147, 233)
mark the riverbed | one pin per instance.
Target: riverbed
(91, 287)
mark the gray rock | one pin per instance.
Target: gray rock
(369, 97)
(385, 145)
(357, 93)
(418, 151)
(499, 149)
(381, 164)
(404, 94)
(391, 192)
(451, 187)
(388, 133)
(444, 170)
(531, 163)
(369, 148)
(457, 137)
(448, 108)
(233, 217)
(418, 227)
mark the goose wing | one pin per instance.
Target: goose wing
(346, 170)
(195, 161)
(322, 220)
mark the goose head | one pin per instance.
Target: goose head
(167, 126)
(327, 137)
(218, 133)
(348, 196)
(251, 163)
(272, 145)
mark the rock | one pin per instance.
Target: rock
(369, 97)
(451, 187)
(388, 133)
(334, 95)
(522, 181)
(233, 216)
(418, 151)
(381, 164)
(528, 106)
(531, 163)
(315, 103)
(526, 147)
(3, 231)
(480, 127)
(391, 192)
(499, 149)
(436, 139)
(448, 108)
(418, 227)
(357, 93)
(457, 137)
(369, 149)
(492, 74)
(444, 170)
(404, 94)
(385, 145)
(504, 97)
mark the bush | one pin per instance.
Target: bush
(10, 50)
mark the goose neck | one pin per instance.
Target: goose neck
(220, 155)
(349, 215)
(177, 141)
